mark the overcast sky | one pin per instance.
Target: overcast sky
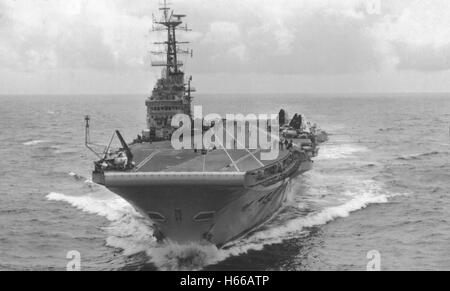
(251, 46)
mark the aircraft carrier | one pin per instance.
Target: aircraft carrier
(208, 194)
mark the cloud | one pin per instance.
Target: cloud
(105, 39)
(423, 57)
(287, 38)
(265, 36)
(417, 34)
(224, 37)
(72, 34)
(327, 37)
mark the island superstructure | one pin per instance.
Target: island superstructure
(172, 93)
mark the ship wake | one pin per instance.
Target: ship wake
(316, 198)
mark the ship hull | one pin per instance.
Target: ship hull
(206, 214)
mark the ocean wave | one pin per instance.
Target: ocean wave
(15, 211)
(66, 152)
(128, 230)
(434, 153)
(111, 207)
(340, 151)
(420, 156)
(132, 233)
(87, 182)
(297, 226)
(389, 129)
(77, 176)
(191, 257)
(34, 142)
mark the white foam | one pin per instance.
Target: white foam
(132, 233)
(192, 257)
(34, 142)
(341, 151)
(112, 208)
(76, 176)
(341, 211)
(355, 201)
(128, 230)
(89, 182)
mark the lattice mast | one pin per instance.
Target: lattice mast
(170, 23)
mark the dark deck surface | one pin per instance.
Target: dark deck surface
(161, 157)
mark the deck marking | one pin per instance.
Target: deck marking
(247, 156)
(247, 150)
(146, 160)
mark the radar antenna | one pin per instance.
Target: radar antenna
(170, 23)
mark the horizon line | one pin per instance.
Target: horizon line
(227, 93)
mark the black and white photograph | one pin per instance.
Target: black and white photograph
(245, 136)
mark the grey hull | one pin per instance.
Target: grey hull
(215, 214)
(229, 211)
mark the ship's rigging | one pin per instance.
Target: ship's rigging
(170, 23)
